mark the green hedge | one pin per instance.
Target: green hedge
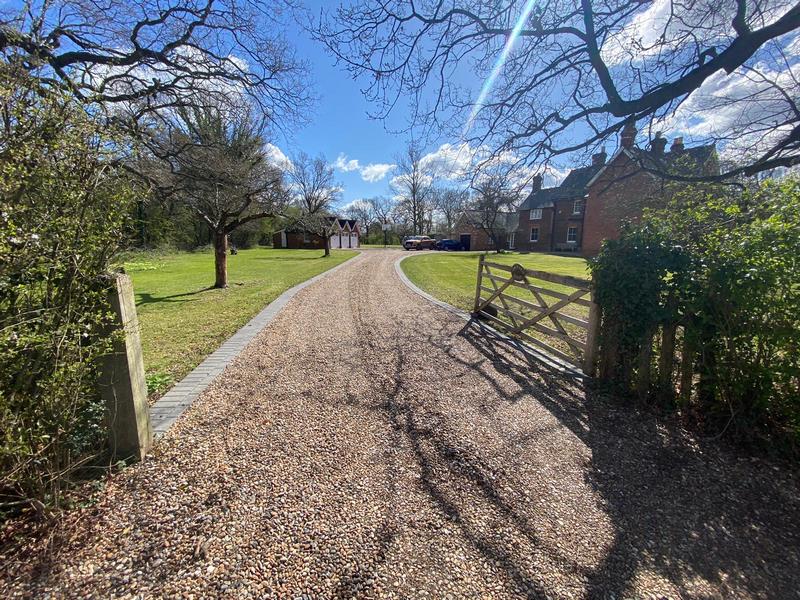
(62, 217)
(725, 267)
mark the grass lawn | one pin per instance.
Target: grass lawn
(451, 276)
(183, 320)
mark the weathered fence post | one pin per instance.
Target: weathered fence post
(592, 339)
(687, 368)
(643, 365)
(666, 362)
(122, 382)
(481, 259)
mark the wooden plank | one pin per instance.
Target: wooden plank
(501, 298)
(480, 282)
(592, 341)
(548, 312)
(536, 342)
(581, 284)
(666, 361)
(549, 349)
(496, 293)
(567, 280)
(498, 266)
(541, 290)
(550, 309)
(531, 306)
(564, 337)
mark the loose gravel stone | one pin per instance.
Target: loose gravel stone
(368, 444)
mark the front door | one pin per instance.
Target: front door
(465, 240)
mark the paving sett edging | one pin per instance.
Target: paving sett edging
(551, 361)
(180, 397)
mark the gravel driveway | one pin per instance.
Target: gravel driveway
(368, 444)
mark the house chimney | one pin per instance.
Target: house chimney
(537, 182)
(599, 158)
(677, 145)
(628, 136)
(658, 144)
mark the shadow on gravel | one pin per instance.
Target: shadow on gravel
(683, 509)
(441, 462)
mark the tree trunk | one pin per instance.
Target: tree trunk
(327, 245)
(221, 259)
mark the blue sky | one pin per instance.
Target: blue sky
(340, 126)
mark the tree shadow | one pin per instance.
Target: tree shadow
(143, 298)
(683, 514)
(688, 510)
(464, 488)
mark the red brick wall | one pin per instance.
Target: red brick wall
(545, 225)
(564, 220)
(479, 239)
(620, 193)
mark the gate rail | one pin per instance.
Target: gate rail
(539, 316)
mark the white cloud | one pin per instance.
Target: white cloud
(347, 165)
(276, 156)
(746, 111)
(359, 204)
(450, 161)
(375, 172)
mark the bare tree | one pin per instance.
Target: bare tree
(214, 162)
(413, 185)
(450, 203)
(361, 211)
(564, 76)
(316, 191)
(381, 207)
(491, 205)
(142, 56)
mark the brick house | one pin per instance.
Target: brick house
(551, 219)
(345, 233)
(629, 182)
(592, 202)
(472, 236)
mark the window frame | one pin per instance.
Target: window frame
(577, 206)
(536, 214)
(530, 237)
(575, 230)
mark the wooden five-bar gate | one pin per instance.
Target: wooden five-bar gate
(552, 312)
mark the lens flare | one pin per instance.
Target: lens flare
(498, 66)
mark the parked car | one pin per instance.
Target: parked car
(419, 242)
(449, 245)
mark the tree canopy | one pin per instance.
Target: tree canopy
(564, 76)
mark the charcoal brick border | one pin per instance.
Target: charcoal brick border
(177, 400)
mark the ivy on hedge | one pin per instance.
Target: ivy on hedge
(62, 218)
(725, 266)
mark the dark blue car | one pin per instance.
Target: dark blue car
(448, 245)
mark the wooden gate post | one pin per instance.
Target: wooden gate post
(122, 382)
(592, 339)
(481, 260)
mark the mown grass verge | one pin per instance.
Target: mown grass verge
(183, 319)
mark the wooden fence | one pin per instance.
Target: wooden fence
(552, 312)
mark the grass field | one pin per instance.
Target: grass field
(183, 319)
(451, 276)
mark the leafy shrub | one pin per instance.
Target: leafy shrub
(724, 266)
(62, 217)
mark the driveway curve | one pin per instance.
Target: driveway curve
(369, 444)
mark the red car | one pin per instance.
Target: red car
(419, 242)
